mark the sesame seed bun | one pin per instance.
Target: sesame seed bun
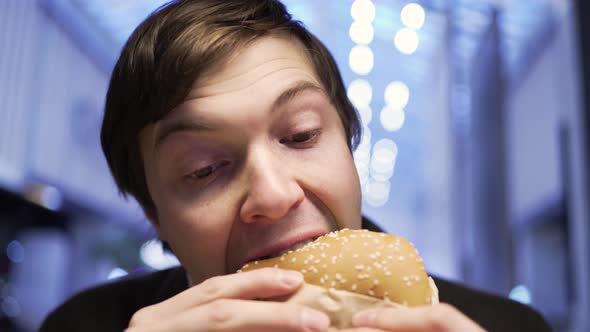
(375, 264)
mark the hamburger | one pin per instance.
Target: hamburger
(376, 265)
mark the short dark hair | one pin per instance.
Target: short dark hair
(170, 49)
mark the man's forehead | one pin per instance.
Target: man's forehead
(261, 58)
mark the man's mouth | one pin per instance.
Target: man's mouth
(292, 248)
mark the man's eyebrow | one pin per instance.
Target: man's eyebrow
(299, 87)
(173, 126)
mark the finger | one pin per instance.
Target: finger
(257, 284)
(441, 317)
(234, 315)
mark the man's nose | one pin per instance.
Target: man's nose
(272, 189)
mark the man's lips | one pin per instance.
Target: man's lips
(283, 245)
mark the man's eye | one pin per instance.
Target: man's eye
(205, 172)
(302, 137)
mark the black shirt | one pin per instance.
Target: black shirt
(109, 307)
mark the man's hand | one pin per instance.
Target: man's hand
(440, 318)
(228, 303)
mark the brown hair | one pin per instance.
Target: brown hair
(170, 49)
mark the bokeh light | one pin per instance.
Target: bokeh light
(361, 59)
(397, 94)
(15, 251)
(363, 11)
(365, 142)
(383, 159)
(361, 32)
(366, 114)
(154, 256)
(413, 16)
(377, 192)
(360, 93)
(51, 198)
(116, 273)
(392, 119)
(385, 149)
(521, 294)
(406, 41)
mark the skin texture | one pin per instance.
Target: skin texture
(242, 169)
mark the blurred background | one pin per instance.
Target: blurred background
(475, 144)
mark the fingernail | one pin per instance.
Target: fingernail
(315, 320)
(291, 278)
(364, 318)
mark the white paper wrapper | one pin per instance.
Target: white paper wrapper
(340, 305)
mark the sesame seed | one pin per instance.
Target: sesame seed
(355, 256)
(353, 287)
(293, 259)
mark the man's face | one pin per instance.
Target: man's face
(254, 161)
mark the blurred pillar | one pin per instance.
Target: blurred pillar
(492, 256)
(580, 179)
(480, 203)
